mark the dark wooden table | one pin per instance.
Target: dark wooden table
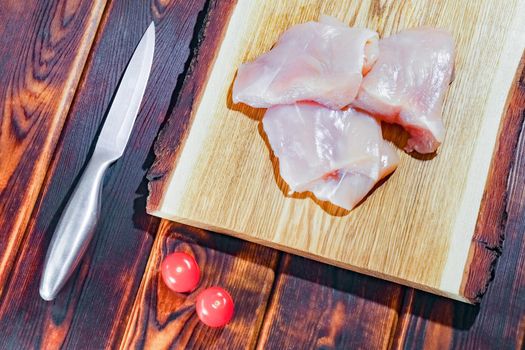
(60, 63)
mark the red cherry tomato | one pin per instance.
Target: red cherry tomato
(214, 307)
(180, 272)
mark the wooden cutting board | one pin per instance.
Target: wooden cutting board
(421, 227)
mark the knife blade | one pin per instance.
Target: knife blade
(77, 223)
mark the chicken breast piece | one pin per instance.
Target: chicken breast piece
(318, 61)
(407, 84)
(337, 155)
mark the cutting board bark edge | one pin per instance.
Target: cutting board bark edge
(173, 135)
(487, 242)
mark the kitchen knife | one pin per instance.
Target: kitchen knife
(77, 223)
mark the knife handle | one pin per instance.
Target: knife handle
(75, 228)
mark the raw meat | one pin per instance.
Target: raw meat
(337, 155)
(318, 61)
(407, 84)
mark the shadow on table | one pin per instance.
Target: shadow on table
(359, 288)
(447, 312)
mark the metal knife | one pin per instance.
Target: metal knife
(77, 223)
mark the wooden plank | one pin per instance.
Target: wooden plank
(324, 307)
(418, 228)
(162, 319)
(44, 45)
(431, 322)
(92, 309)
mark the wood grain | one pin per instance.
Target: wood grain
(92, 309)
(324, 307)
(162, 319)
(92, 312)
(499, 322)
(417, 228)
(44, 45)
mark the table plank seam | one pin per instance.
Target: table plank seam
(270, 299)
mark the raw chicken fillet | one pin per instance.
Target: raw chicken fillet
(327, 87)
(337, 155)
(317, 61)
(407, 84)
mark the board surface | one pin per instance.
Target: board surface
(419, 228)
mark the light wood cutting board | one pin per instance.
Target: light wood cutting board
(421, 227)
